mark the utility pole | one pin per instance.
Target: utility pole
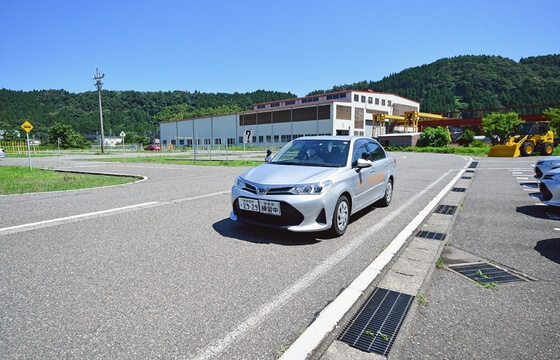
(97, 77)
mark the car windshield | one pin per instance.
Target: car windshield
(313, 152)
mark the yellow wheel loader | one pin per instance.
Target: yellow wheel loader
(530, 137)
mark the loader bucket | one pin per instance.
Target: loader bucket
(510, 149)
(504, 151)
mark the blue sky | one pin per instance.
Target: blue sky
(242, 46)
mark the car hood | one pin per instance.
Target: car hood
(272, 174)
(550, 160)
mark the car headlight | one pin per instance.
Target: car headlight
(239, 182)
(310, 189)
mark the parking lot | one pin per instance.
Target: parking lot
(157, 270)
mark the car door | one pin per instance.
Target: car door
(378, 172)
(363, 185)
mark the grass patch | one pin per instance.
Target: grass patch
(457, 150)
(21, 180)
(182, 161)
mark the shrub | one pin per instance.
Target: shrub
(466, 138)
(434, 137)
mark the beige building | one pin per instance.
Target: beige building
(347, 112)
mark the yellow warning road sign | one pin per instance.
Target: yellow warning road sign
(27, 126)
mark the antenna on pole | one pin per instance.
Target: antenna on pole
(97, 77)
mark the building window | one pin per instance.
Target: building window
(218, 141)
(315, 99)
(275, 105)
(276, 138)
(261, 106)
(389, 103)
(261, 138)
(291, 102)
(363, 99)
(376, 101)
(382, 102)
(268, 138)
(370, 100)
(356, 97)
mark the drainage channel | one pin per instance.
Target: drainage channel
(485, 273)
(376, 324)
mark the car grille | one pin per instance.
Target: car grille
(290, 216)
(269, 190)
(547, 195)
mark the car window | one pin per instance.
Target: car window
(313, 152)
(361, 151)
(292, 151)
(376, 151)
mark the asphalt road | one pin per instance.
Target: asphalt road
(156, 269)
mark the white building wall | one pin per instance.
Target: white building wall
(224, 127)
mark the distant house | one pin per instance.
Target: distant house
(108, 140)
(4, 131)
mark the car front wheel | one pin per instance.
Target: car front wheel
(341, 216)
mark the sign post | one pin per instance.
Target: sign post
(122, 142)
(247, 138)
(28, 127)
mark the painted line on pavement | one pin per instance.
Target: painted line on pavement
(74, 218)
(64, 220)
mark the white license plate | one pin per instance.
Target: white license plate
(263, 206)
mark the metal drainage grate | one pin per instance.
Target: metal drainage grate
(466, 177)
(430, 235)
(376, 325)
(458, 189)
(473, 164)
(446, 209)
(485, 273)
(470, 171)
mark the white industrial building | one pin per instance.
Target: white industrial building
(347, 112)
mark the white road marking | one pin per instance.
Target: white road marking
(73, 218)
(58, 221)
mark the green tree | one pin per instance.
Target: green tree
(499, 127)
(434, 137)
(68, 138)
(553, 115)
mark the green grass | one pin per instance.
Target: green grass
(175, 159)
(21, 180)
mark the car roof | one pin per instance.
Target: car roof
(332, 137)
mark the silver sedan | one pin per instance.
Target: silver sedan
(314, 184)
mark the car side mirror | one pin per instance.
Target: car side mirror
(363, 163)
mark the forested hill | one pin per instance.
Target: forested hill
(473, 82)
(459, 83)
(134, 112)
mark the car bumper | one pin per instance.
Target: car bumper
(299, 213)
